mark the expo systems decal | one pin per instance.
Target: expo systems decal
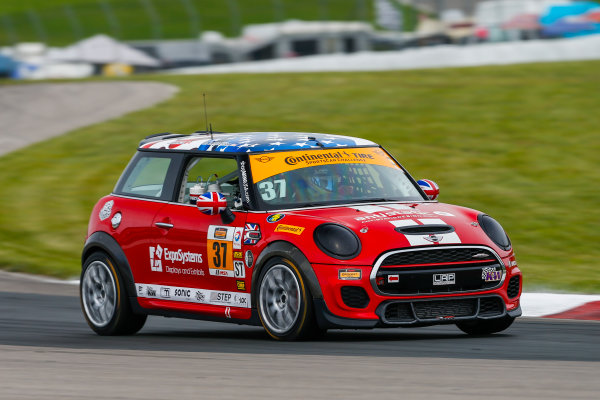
(158, 255)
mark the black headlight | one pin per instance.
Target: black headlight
(494, 230)
(337, 241)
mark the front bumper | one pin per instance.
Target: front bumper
(381, 310)
(327, 320)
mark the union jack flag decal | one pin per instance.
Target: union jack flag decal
(211, 203)
(252, 234)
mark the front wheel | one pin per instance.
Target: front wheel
(104, 300)
(284, 302)
(485, 327)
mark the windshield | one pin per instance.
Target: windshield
(322, 177)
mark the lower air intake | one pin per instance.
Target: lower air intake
(490, 307)
(445, 308)
(513, 287)
(355, 296)
(399, 312)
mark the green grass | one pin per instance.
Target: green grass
(519, 142)
(134, 22)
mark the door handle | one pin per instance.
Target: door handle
(163, 225)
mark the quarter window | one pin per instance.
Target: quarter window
(148, 176)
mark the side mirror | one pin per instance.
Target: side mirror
(431, 189)
(213, 203)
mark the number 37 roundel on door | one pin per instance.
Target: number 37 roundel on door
(219, 248)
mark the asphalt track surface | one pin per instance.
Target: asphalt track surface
(31, 113)
(47, 351)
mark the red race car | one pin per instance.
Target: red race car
(297, 232)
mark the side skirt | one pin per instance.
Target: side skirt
(253, 320)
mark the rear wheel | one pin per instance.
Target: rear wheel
(104, 300)
(284, 302)
(485, 327)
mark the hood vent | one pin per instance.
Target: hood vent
(424, 229)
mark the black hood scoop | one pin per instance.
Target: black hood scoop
(424, 229)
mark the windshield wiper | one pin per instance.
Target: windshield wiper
(375, 200)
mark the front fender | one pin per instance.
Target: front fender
(286, 250)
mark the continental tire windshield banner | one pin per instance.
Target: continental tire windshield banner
(267, 165)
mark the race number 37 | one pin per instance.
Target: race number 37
(219, 248)
(220, 258)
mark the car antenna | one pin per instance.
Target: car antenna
(206, 115)
(211, 133)
(314, 139)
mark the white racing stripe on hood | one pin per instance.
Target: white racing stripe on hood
(371, 209)
(421, 240)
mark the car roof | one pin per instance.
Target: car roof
(250, 142)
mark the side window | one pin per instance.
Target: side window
(210, 174)
(147, 176)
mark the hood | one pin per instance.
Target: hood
(383, 227)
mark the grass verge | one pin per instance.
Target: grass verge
(518, 142)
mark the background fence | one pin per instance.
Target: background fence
(59, 22)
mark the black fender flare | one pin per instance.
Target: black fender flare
(286, 250)
(104, 242)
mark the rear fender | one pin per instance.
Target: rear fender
(102, 241)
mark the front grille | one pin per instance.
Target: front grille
(441, 270)
(445, 308)
(436, 311)
(355, 296)
(513, 287)
(437, 256)
(490, 306)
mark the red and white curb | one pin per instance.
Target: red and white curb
(545, 305)
(565, 306)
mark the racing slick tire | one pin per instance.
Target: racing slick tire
(485, 327)
(104, 299)
(284, 302)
